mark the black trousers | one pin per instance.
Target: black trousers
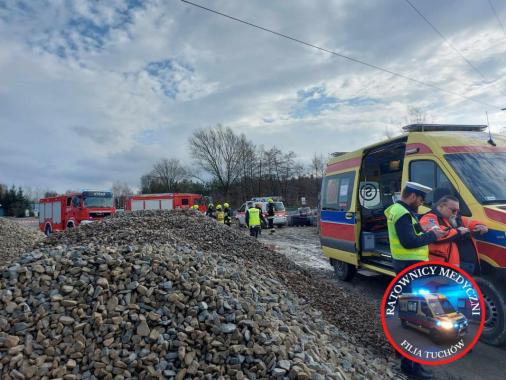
(254, 231)
(271, 222)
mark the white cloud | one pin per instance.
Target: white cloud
(92, 92)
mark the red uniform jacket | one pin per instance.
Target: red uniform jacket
(446, 249)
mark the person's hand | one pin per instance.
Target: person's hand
(439, 232)
(463, 230)
(481, 228)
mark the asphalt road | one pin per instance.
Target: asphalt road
(301, 244)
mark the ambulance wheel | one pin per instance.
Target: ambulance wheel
(238, 223)
(47, 230)
(436, 336)
(343, 271)
(404, 323)
(494, 295)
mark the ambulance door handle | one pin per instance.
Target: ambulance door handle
(348, 215)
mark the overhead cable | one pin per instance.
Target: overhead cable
(376, 67)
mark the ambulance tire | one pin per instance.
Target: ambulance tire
(494, 295)
(404, 323)
(436, 336)
(47, 230)
(343, 271)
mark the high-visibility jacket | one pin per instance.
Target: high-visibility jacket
(393, 214)
(253, 217)
(220, 216)
(226, 211)
(446, 248)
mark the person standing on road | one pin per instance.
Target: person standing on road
(228, 214)
(270, 214)
(409, 245)
(254, 219)
(458, 246)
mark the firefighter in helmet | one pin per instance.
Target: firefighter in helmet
(210, 211)
(254, 219)
(270, 214)
(220, 215)
(228, 213)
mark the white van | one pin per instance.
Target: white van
(280, 214)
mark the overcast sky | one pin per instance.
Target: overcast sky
(96, 91)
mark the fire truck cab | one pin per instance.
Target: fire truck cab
(70, 210)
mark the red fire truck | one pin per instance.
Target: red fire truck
(69, 210)
(166, 201)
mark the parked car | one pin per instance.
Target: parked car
(303, 217)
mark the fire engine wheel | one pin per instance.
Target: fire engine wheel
(343, 271)
(494, 331)
(47, 230)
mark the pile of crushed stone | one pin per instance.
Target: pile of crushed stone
(16, 239)
(173, 295)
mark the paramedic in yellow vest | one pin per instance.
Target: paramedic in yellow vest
(409, 244)
(254, 218)
(219, 214)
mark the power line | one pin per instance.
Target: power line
(496, 16)
(445, 39)
(341, 55)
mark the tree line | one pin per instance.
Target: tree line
(14, 202)
(232, 169)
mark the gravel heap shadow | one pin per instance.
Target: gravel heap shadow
(163, 294)
(16, 239)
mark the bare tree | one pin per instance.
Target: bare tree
(416, 115)
(220, 152)
(168, 173)
(318, 165)
(121, 192)
(317, 169)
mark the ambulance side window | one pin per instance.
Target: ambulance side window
(337, 191)
(412, 306)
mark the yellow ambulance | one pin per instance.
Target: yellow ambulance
(462, 160)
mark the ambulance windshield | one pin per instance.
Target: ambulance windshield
(484, 174)
(441, 307)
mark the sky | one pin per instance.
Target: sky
(93, 92)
